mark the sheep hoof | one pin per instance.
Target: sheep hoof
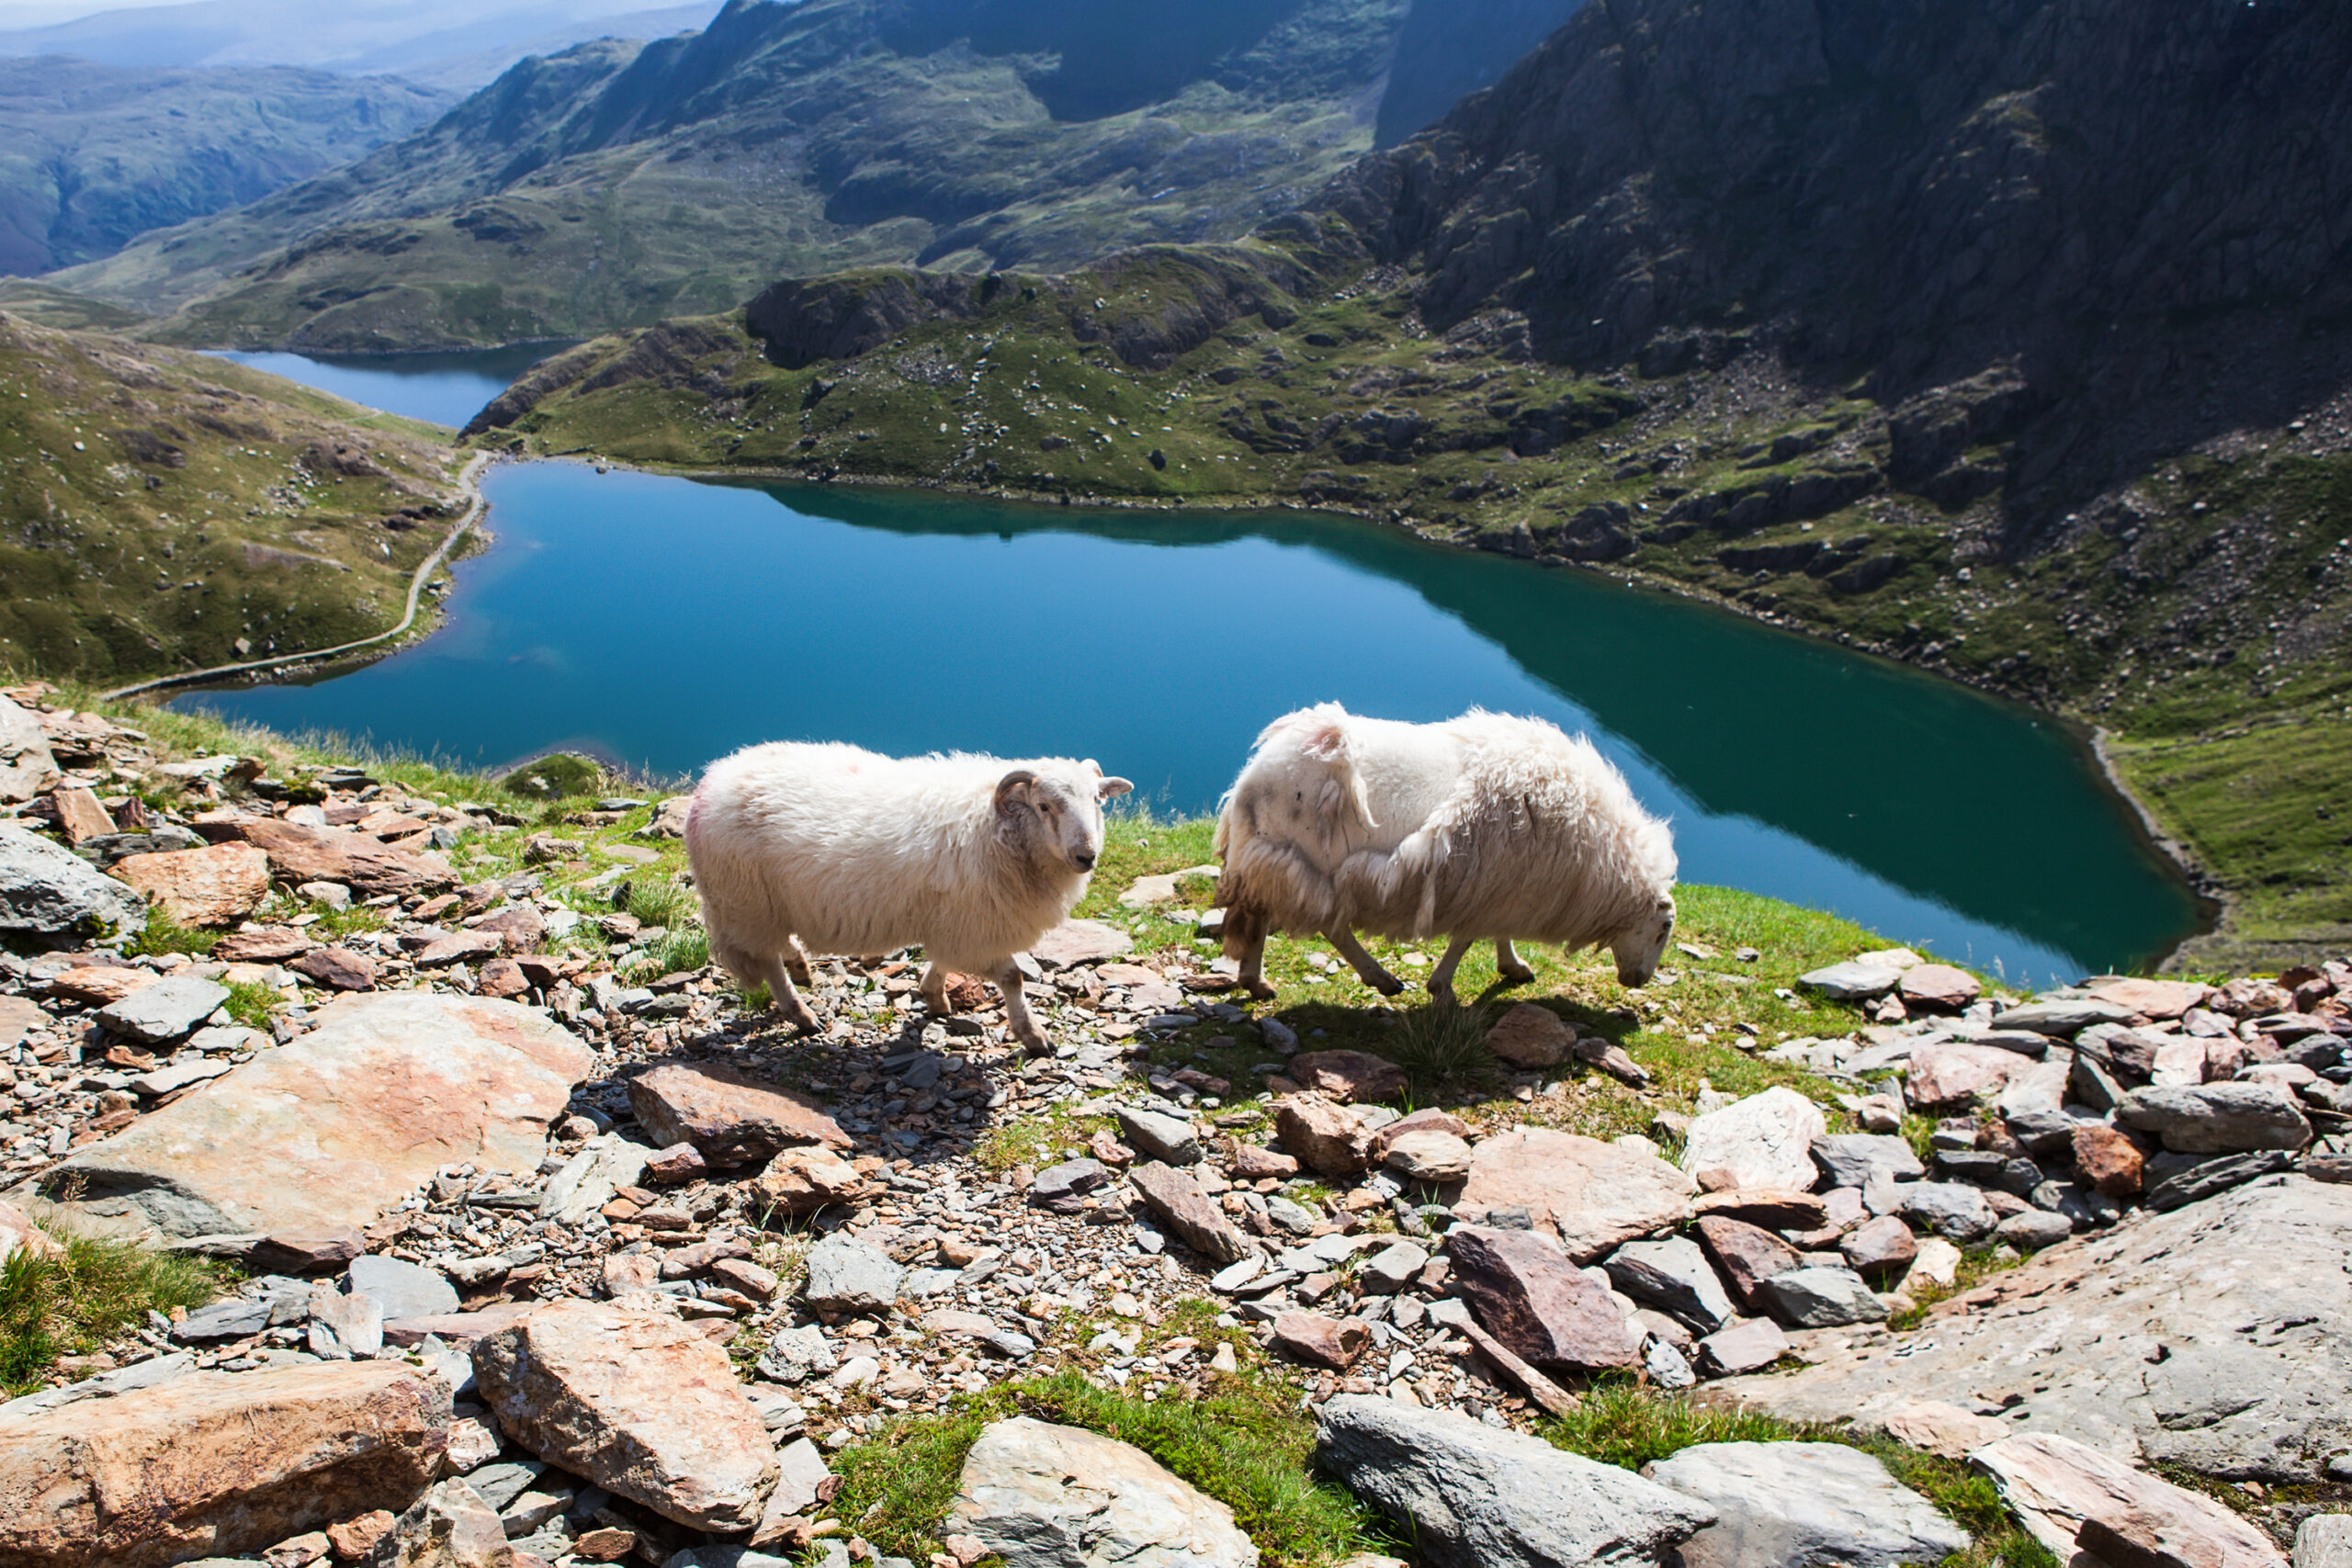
(1519, 976)
(801, 1020)
(1264, 991)
(1389, 986)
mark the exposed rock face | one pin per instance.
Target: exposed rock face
(47, 890)
(1802, 1506)
(2218, 1118)
(1037, 1493)
(216, 1464)
(2071, 1333)
(1594, 1196)
(1475, 1497)
(354, 1115)
(641, 1404)
(319, 854)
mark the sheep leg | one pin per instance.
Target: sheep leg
(935, 990)
(1252, 972)
(795, 959)
(788, 1000)
(1441, 978)
(1507, 962)
(1343, 941)
(1016, 1010)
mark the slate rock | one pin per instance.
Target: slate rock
(1472, 1496)
(2058, 1486)
(1802, 1506)
(1348, 1076)
(1675, 1277)
(1747, 1255)
(450, 1526)
(2217, 1118)
(2324, 1540)
(586, 1183)
(1326, 1137)
(2207, 1177)
(1531, 1038)
(1321, 1340)
(731, 1116)
(1069, 1180)
(338, 968)
(1594, 1196)
(1523, 1290)
(27, 765)
(1764, 1140)
(2108, 1160)
(301, 854)
(804, 1180)
(1191, 1213)
(1852, 982)
(1938, 987)
(1950, 1209)
(849, 1275)
(245, 1460)
(400, 1288)
(47, 890)
(1080, 942)
(2033, 1230)
(1033, 1493)
(355, 1115)
(1879, 1246)
(795, 1355)
(1157, 1136)
(1848, 1159)
(1823, 1297)
(1953, 1076)
(168, 1010)
(1747, 1345)
(1426, 1154)
(2061, 1019)
(639, 1403)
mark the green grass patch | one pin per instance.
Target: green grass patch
(164, 935)
(252, 1004)
(1246, 1444)
(1444, 1051)
(72, 1306)
(1628, 1423)
(557, 776)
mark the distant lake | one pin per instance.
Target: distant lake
(662, 622)
(446, 389)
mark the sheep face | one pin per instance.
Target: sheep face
(1056, 819)
(1639, 951)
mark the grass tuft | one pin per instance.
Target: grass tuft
(1628, 1425)
(252, 1004)
(557, 776)
(1444, 1051)
(164, 935)
(70, 1307)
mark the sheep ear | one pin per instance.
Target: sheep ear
(1013, 791)
(1112, 786)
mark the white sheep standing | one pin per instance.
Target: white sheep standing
(1484, 827)
(834, 849)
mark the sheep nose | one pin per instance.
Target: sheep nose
(1085, 860)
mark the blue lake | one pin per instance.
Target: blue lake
(447, 388)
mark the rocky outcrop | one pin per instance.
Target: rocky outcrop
(48, 892)
(2206, 1338)
(351, 1117)
(1033, 1491)
(216, 1464)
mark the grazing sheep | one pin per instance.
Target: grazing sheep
(1482, 826)
(852, 852)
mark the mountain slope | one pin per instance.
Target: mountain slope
(92, 155)
(613, 183)
(443, 43)
(2011, 338)
(167, 510)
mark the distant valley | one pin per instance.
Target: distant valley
(618, 183)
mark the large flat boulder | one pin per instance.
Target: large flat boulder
(2211, 1337)
(1593, 1196)
(1036, 1493)
(322, 1132)
(1525, 1292)
(216, 1464)
(1470, 1495)
(1765, 1140)
(298, 854)
(218, 885)
(47, 890)
(639, 1403)
(1802, 1506)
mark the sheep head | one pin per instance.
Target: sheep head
(1052, 819)
(1639, 950)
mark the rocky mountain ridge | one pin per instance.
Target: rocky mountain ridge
(612, 183)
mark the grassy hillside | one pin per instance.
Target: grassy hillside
(92, 155)
(164, 511)
(1347, 403)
